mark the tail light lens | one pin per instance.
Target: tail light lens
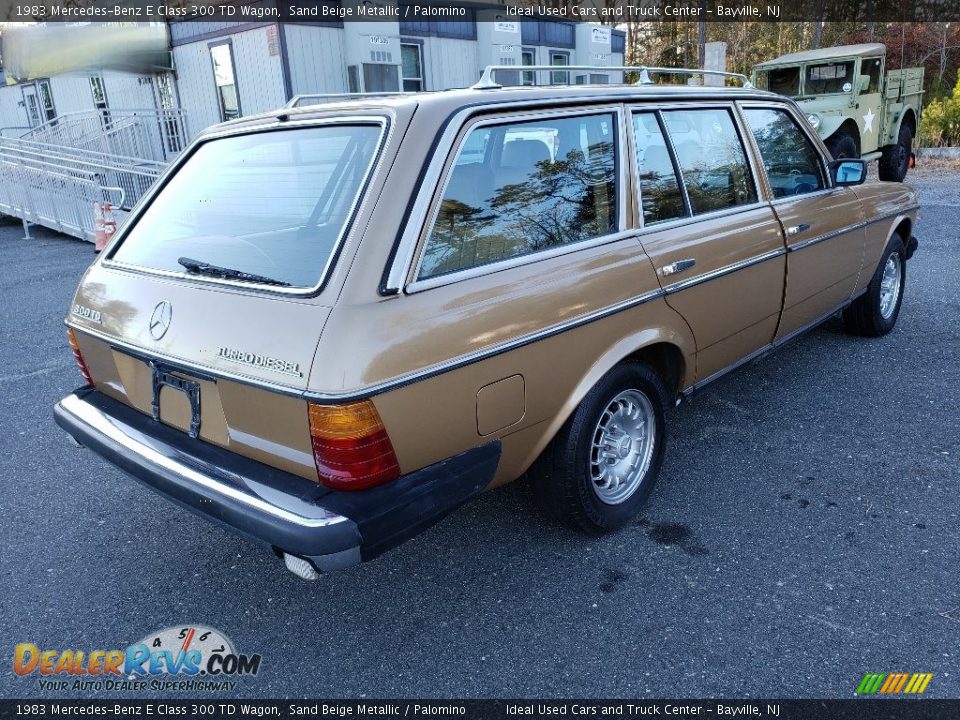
(75, 348)
(351, 447)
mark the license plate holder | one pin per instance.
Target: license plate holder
(164, 376)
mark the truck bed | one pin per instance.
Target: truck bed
(904, 83)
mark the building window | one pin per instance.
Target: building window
(528, 56)
(224, 76)
(98, 92)
(411, 56)
(559, 59)
(46, 99)
(618, 41)
(456, 29)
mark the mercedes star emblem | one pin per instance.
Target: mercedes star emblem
(160, 319)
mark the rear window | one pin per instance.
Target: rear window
(270, 204)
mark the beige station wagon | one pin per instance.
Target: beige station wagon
(327, 327)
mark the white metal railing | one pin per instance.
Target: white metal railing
(56, 186)
(148, 133)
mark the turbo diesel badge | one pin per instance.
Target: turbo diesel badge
(260, 361)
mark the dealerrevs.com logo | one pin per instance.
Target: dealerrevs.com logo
(188, 657)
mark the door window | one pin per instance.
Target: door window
(523, 187)
(660, 194)
(793, 165)
(871, 68)
(33, 111)
(711, 158)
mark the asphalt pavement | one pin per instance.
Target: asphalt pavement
(804, 531)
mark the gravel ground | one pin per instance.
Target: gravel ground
(804, 531)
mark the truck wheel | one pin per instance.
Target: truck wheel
(875, 312)
(896, 158)
(842, 145)
(598, 471)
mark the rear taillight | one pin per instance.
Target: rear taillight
(75, 347)
(351, 447)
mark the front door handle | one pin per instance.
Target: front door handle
(797, 229)
(678, 266)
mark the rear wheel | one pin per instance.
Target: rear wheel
(842, 145)
(600, 468)
(895, 160)
(875, 312)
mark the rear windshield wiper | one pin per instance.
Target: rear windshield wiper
(205, 268)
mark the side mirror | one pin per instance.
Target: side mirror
(848, 172)
(863, 82)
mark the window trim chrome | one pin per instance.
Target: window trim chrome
(463, 131)
(358, 205)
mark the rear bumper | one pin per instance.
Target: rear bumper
(332, 529)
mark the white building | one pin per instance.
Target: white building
(222, 70)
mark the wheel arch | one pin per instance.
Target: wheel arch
(843, 126)
(908, 118)
(668, 351)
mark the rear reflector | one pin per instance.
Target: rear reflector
(75, 348)
(351, 447)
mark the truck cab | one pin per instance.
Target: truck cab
(857, 107)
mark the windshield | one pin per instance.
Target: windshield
(784, 81)
(267, 204)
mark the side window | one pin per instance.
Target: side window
(711, 158)
(792, 163)
(871, 68)
(660, 195)
(552, 183)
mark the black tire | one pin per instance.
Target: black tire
(865, 315)
(895, 160)
(843, 145)
(562, 478)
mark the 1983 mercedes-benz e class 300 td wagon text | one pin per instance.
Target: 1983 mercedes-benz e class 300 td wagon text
(326, 327)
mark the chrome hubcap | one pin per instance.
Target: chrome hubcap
(890, 286)
(622, 449)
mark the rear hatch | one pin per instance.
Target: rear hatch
(207, 311)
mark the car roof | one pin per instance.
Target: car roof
(446, 102)
(862, 50)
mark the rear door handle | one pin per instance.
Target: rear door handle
(678, 266)
(797, 229)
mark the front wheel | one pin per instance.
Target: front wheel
(895, 159)
(875, 312)
(600, 468)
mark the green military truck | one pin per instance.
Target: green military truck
(858, 107)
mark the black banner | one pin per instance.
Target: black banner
(608, 12)
(854, 709)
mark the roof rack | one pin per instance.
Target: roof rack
(487, 82)
(320, 98)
